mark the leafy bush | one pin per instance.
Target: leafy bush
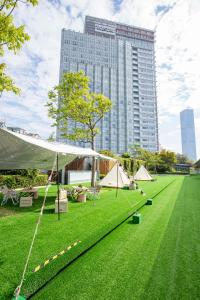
(17, 181)
(126, 155)
(23, 172)
(131, 165)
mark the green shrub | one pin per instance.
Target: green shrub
(126, 155)
(131, 165)
(17, 181)
(40, 180)
(8, 180)
(23, 172)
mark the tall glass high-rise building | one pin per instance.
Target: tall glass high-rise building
(188, 133)
(120, 61)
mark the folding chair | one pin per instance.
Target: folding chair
(94, 192)
(9, 194)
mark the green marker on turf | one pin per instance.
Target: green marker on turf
(19, 298)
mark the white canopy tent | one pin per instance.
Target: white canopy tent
(142, 174)
(18, 151)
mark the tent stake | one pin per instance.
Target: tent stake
(58, 188)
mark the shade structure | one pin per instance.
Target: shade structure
(115, 178)
(18, 151)
(142, 174)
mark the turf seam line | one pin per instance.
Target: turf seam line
(143, 202)
(163, 189)
(47, 261)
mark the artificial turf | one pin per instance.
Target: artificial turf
(85, 221)
(158, 259)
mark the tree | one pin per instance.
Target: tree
(12, 38)
(143, 155)
(135, 150)
(182, 159)
(126, 155)
(51, 138)
(168, 159)
(107, 153)
(77, 104)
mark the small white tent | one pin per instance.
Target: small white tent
(115, 178)
(142, 174)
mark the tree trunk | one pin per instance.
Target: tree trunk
(93, 166)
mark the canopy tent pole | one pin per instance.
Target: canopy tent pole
(98, 170)
(58, 187)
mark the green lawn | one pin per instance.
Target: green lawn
(87, 222)
(158, 259)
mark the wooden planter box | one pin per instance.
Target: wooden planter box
(63, 194)
(81, 198)
(63, 205)
(26, 201)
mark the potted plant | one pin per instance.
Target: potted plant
(81, 197)
(80, 193)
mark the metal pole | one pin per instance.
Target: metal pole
(58, 187)
(117, 180)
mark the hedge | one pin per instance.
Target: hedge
(17, 181)
(131, 165)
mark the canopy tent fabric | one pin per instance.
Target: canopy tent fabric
(142, 174)
(196, 164)
(115, 178)
(18, 151)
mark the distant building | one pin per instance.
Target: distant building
(35, 135)
(23, 131)
(120, 61)
(17, 130)
(182, 168)
(188, 133)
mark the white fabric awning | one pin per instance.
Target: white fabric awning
(18, 151)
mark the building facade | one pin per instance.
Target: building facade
(188, 133)
(120, 62)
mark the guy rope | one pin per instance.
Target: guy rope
(17, 295)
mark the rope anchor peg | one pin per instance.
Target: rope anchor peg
(17, 296)
(20, 297)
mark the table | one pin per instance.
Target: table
(32, 191)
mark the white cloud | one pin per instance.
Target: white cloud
(36, 68)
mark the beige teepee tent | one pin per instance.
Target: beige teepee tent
(115, 178)
(142, 174)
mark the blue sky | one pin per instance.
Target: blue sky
(117, 4)
(36, 67)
